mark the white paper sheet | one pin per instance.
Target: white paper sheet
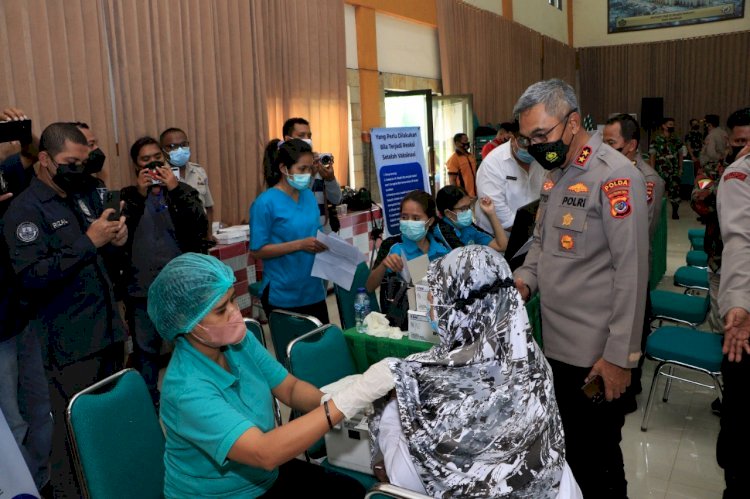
(339, 262)
(418, 268)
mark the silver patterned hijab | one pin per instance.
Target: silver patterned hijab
(478, 410)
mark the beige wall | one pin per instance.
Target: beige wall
(540, 16)
(495, 6)
(590, 27)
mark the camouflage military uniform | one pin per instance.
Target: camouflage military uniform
(667, 151)
(694, 141)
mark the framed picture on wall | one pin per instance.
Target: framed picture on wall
(634, 15)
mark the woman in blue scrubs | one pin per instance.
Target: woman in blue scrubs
(418, 217)
(284, 221)
(456, 215)
(217, 396)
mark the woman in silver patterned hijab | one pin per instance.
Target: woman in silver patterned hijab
(477, 412)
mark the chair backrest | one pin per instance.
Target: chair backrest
(286, 326)
(345, 299)
(118, 444)
(321, 356)
(387, 491)
(254, 327)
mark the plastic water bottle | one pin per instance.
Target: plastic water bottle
(361, 310)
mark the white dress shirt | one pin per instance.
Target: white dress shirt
(510, 187)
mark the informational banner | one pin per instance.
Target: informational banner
(401, 168)
(633, 15)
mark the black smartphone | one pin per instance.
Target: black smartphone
(112, 200)
(16, 130)
(594, 389)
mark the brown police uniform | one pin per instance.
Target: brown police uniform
(655, 186)
(733, 199)
(589, 261)
(589, 258)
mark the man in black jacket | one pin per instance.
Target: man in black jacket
(165, 218)
(58, 256)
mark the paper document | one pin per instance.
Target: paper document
(418, 268)
(339, 262)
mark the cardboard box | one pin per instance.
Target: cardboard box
(348, 445)
(421, 291)
(420, 328)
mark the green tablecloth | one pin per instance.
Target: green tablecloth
(659, 248)
(366, 350)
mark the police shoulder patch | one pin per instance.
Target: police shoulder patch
(548, 185)
(735, 175)
(584, 156)
(27, 232)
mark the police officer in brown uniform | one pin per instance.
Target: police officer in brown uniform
(589, 260)
(623, 133)
(733, 199)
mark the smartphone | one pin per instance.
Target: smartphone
(4, 187)
(16, 130)
(594, 390)
(112, 200)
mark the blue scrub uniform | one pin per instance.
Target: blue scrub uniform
(412, 251)
(471, 234)
(205, 409)
(276, 218)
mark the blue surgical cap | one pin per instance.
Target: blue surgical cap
(185, 291)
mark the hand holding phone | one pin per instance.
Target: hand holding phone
(594, 389)
(112, 200)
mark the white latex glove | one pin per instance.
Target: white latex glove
(376, 382)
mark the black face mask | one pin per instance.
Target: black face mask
(95, 161)
(696, 127)
(733, 155)
(70, 177)
(670, 129)
(552, 155)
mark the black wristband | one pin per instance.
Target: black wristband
(328, 415)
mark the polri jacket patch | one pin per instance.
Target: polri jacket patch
(650, 191)
(578, 188)
(548, 185)
(27, 232)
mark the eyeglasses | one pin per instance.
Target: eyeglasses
(462, 209)
(173, 147)
(541, 137)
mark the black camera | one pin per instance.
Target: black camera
(325, 158)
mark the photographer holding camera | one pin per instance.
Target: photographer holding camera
(324, 184)
(165, 218)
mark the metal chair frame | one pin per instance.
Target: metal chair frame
(670, 364)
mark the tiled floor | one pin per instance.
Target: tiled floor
(676, 457)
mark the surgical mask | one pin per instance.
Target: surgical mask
(95, 162)
(230, 333)
(70, 177)
(413, 230)
(307, 141)
(524, 156)
(464, 219)
(732, 156)
(180, 156)
(299, 181)
(465, 147)
(550, 155)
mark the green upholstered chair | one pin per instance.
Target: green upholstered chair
(345, 299)
(687, 348)
(256, 329)
(681, 308)
(285, 326)
(696, 258)
(698, 244)
(696, 233)
(691, 278)
(118, 444)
